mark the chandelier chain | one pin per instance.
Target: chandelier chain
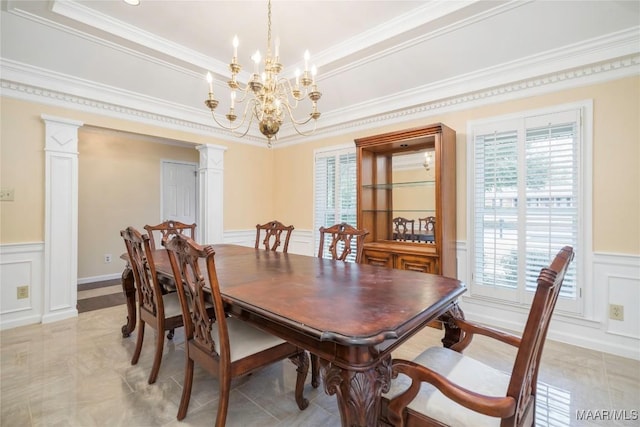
(269, 27)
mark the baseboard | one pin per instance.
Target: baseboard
(101, 278)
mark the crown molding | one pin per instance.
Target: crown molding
(37, 85)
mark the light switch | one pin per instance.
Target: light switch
(6, 195)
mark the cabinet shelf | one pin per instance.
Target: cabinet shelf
(392, 185)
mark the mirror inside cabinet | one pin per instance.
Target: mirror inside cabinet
(413, 196)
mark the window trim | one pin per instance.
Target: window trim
(584, 306)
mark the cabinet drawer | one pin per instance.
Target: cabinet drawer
(383, 259)
(423, 264)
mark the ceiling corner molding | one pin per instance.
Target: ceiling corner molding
(25, 82)
(390, 109)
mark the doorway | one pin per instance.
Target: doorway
(179, 186)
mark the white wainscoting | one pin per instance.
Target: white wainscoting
(21, 264)
(616, 280)
(301, 241)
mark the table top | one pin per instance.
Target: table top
(347, 303)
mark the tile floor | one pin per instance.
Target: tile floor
(77, 372)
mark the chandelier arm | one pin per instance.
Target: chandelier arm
(234, 128)
(245, 91)
(307, 133)
(297, 123)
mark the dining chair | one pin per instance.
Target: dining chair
(401, 228)
(160, 311)
(340, 247)
(444, 387)
(226, 347)
(342, 240)
(167, 229)
(273, 231)
(428, 230)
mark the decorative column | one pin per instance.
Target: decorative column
(61, 219)
(211, 191)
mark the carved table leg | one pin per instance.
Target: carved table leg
(358, 392)
(452, 333)
(129, 289)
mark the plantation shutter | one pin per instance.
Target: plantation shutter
(551, 193)
(335, 192)
(525, 202)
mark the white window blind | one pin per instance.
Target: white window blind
(526, 198)
(335, 192)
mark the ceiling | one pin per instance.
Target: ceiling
(376, 60)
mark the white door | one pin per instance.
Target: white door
(179, 191)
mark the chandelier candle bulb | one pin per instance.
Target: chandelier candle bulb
(236, 42)
(210, 81)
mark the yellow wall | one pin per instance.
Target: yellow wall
(248, 191)
(118, 186)
(260, 184)
(616, 160)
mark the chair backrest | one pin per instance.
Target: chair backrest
(429, 224)
(169, 228)
(144, 271)
(401, 228)
(185, 255)
(273, 235)
(524, 376)
(342, 236)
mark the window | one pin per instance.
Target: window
(526, 198)
(335, 191)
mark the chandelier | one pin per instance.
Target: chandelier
(267, 97)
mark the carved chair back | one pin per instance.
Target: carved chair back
(404, 228)
(342, 236)
(273, 232)
(427, 231)
(429, 224)
(517, 406)
(169, 228)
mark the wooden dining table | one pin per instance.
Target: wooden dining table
(352, 316)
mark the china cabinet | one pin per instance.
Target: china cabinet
(407, 198)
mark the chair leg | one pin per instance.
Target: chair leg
(315, 371)
(186, 388)
(223, 400)
(136, 352)
(301, 360)
(158, 357)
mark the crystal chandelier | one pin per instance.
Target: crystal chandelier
(267, 97)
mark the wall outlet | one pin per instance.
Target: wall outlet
(7, 194)
(23, 291)
(107, 258)
(616, 312)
